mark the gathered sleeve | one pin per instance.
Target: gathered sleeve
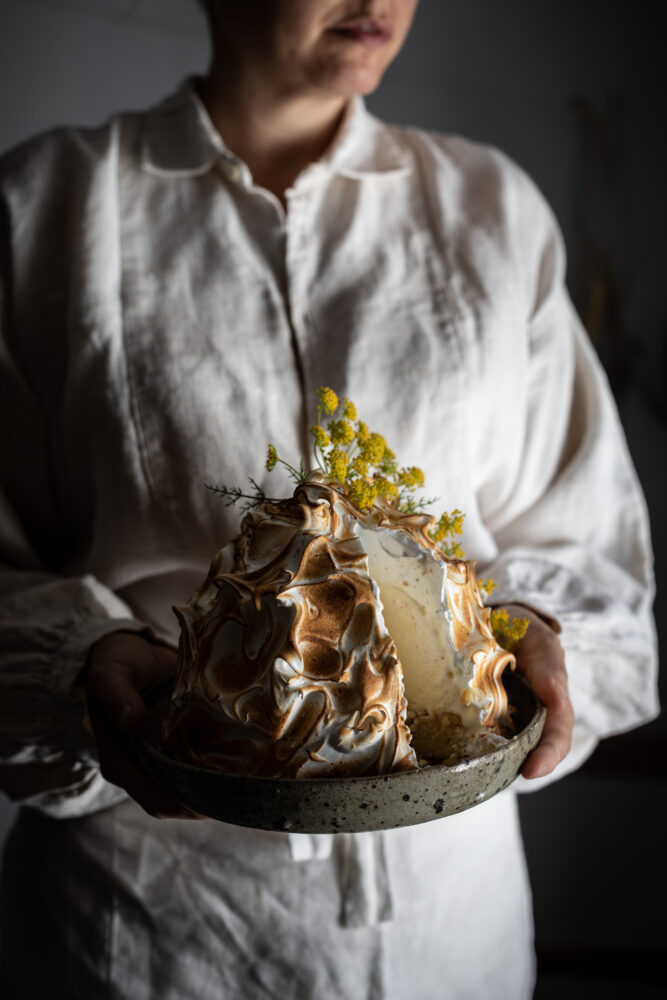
(48, 620)
(569, 522)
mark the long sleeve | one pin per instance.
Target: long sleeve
(48, 620)
(570, 524)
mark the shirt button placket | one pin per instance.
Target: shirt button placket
(296, 248)
(297, 281)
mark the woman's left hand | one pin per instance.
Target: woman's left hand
(541, 660)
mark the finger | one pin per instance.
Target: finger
(119, 766)
(120, 702)
(550, 685)
(123, 666)
(555, 743)
(540, 658)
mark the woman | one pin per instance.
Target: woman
(178, 283)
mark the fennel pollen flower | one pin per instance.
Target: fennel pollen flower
(411, 477)
(389, 466)
(449, 524)
(322, 439)
(500, 617)
(508, 633)
(385, 487)
(337, 462)
(328, 399)
(360, 466)
(271, 458)
(457, 522)
(362, 432)
(374, 448)
(349, 410)
(341, 432)
(417, 475)
(438, 533)
(363, 492)
(518, 629)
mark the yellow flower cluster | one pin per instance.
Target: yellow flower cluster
(443, 533)
(349, 410)
(509, 633)
(372, 449)
(271, 458)
(322, 439)
(364, 492)
(386, 488)
(411, 477)
(359, 459)
(340, 431)
(328, 399)
(337, 463)
(362, 432)
(448, 524)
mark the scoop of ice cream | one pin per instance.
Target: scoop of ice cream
(314, 630)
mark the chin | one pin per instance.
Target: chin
(354, 80)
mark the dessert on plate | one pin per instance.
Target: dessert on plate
(342, 633)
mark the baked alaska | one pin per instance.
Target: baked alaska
(337, 635)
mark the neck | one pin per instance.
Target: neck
(277, 134)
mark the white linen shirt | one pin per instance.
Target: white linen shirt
(163, 319)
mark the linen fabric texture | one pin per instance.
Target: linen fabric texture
(163, 318)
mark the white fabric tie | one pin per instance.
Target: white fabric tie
(364, 880)
(363, 874)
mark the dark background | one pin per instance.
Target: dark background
(572, 90)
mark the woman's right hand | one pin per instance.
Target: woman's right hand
(120, 666)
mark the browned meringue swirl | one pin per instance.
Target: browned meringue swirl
(286, 667)
(472, 634)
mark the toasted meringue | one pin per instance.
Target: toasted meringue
(315, 632)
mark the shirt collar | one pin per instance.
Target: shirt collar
(178, 138)
(364, 146)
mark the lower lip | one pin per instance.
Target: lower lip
(371, 39)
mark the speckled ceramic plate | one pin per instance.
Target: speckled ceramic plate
(330, 805)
